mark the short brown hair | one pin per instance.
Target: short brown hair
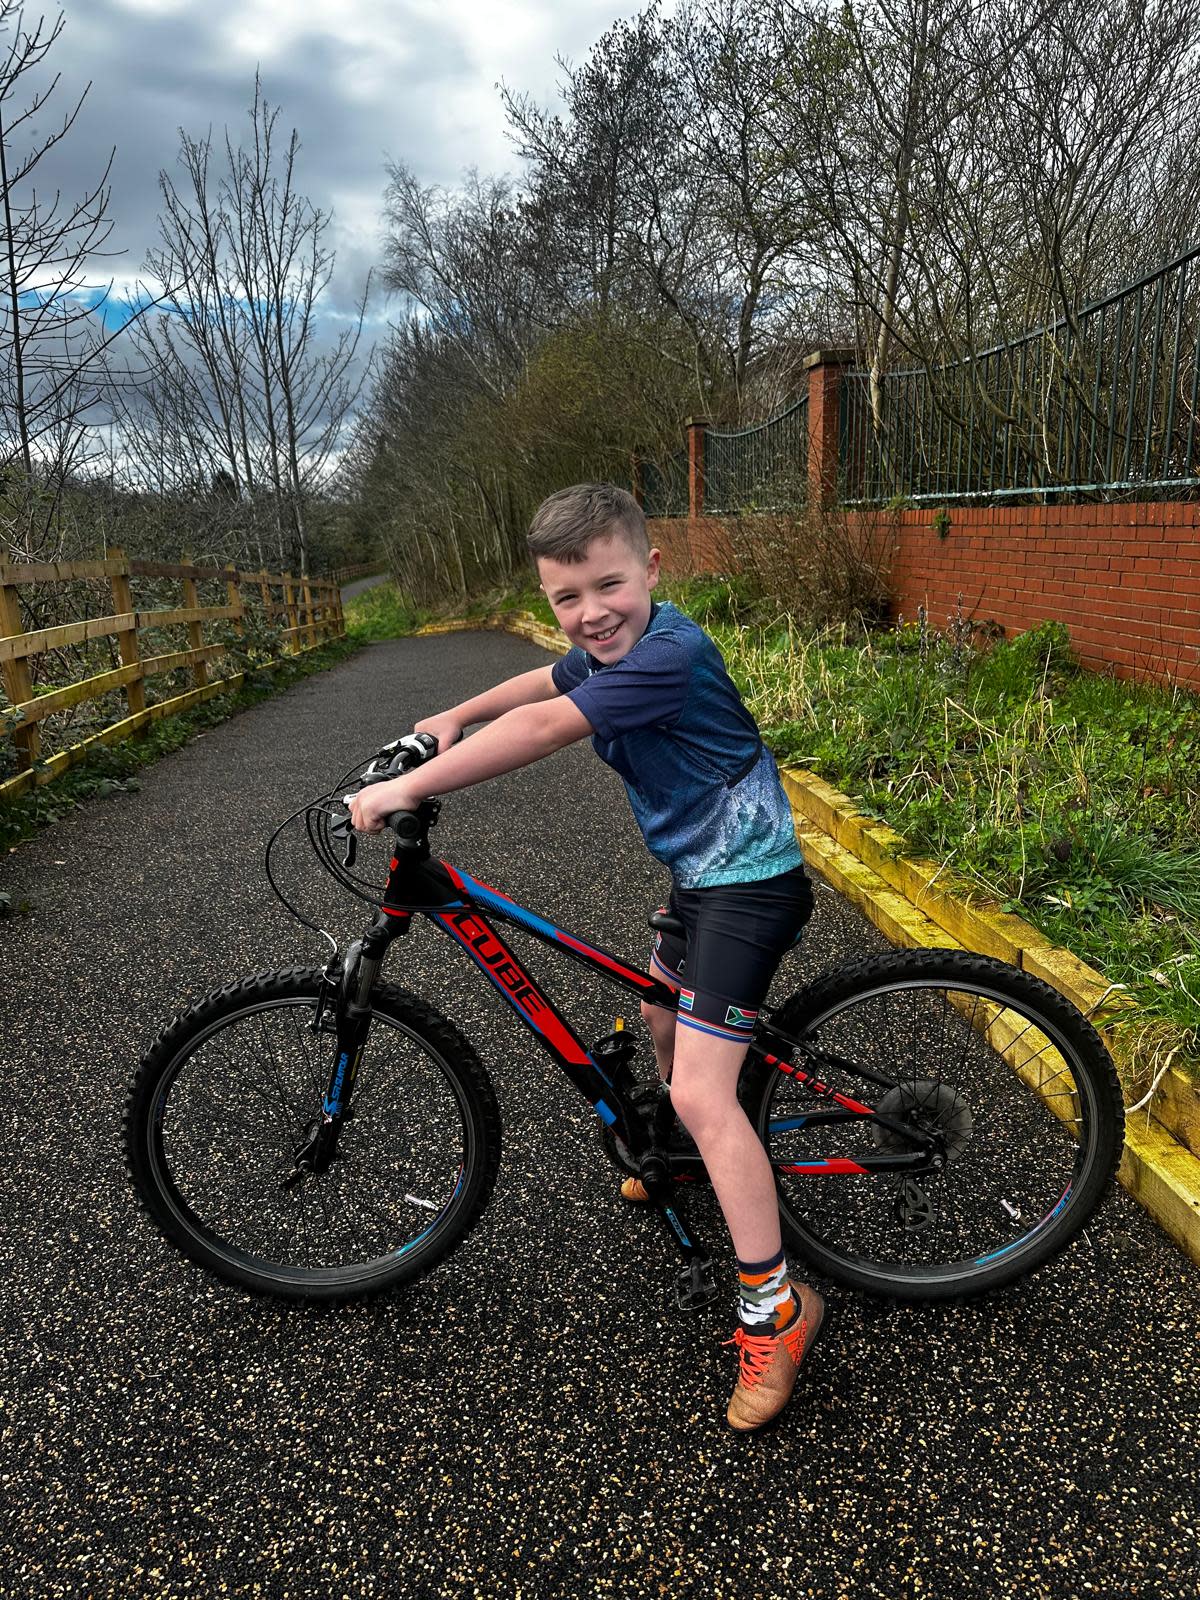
(565, 524)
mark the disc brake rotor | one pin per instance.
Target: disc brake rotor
(928, 1107)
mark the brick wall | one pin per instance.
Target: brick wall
(1124, 578)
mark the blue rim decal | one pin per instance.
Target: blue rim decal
(425, 1232)
(1025, 1237)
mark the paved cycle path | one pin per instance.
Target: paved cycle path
(534, 1418)
(359, 585)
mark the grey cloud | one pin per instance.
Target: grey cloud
(152, 74)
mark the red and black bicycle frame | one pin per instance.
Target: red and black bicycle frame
(466, 909)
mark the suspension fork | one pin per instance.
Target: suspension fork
(360, 969)
(350, 988)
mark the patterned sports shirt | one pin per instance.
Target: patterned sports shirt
(704, 788)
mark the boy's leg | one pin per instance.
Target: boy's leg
(740, 934)
(667, 961)
(662, 1030)
(704, 1094)
(778, 1316)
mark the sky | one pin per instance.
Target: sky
(364, 82)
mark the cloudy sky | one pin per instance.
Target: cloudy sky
(364, 82)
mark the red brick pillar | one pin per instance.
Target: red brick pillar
(695, 447)
(824, 389)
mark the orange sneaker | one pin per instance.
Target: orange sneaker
(770, 1362)
(634, 1189)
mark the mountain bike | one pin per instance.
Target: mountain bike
(939, 1123)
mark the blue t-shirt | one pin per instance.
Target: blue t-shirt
(704, 788)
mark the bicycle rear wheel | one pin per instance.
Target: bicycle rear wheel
(1010, 1075)
(224, 1099)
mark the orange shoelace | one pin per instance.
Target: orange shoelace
(755, 1351)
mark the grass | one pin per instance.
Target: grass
(380, 613)
(1070, 797)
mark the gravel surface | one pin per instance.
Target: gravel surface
(534, 1418)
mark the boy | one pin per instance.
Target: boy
(651, 689)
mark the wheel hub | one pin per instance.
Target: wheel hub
(928, 1107)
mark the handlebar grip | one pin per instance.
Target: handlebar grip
(405, 824)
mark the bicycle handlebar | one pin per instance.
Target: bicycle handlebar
(392, 761)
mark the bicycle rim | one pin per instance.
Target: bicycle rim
(233, 1105)
(1016, 1085)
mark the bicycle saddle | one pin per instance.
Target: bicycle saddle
(666, 923)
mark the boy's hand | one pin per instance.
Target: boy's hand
(445, 728)
(371, 806)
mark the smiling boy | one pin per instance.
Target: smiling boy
(650, 688)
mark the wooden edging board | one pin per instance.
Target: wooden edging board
(915, 903)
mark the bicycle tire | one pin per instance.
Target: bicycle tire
(218, 1107)
(1028, 1165)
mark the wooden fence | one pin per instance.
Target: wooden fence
(310, 610)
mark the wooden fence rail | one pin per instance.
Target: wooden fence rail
(309, 609)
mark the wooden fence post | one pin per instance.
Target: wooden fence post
(264, 588)
(18, 685)
(310, 628)
(195, 630)
(233, 593)
(289, 603)
(695, 449)
(127, 642)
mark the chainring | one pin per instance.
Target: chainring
(644, 1097)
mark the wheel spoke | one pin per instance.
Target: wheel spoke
(230, 1108)
(1013, 1089)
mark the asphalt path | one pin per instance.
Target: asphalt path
(533, 1418)
(349, 590)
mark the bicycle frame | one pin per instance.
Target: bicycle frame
(463, 907)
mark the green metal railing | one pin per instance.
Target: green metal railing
(1101, 400)
(764, 468)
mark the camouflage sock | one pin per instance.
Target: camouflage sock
(766, 1302)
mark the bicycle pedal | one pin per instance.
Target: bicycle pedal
(695, 1285)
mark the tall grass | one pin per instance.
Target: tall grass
(1071, 798)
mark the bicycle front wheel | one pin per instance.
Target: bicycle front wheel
(1009, 1076)
(225, 1098)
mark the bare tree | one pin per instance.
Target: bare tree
(240, 385)
(53, 338)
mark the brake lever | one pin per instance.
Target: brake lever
(343, 828)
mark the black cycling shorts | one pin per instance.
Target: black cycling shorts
(736, 936)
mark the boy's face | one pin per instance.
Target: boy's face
(602, 602)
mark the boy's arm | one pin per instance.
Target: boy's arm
(512, 740)
(527, 688)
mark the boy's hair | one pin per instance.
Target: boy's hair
(565, 524)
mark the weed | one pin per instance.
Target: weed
(1070, 798)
